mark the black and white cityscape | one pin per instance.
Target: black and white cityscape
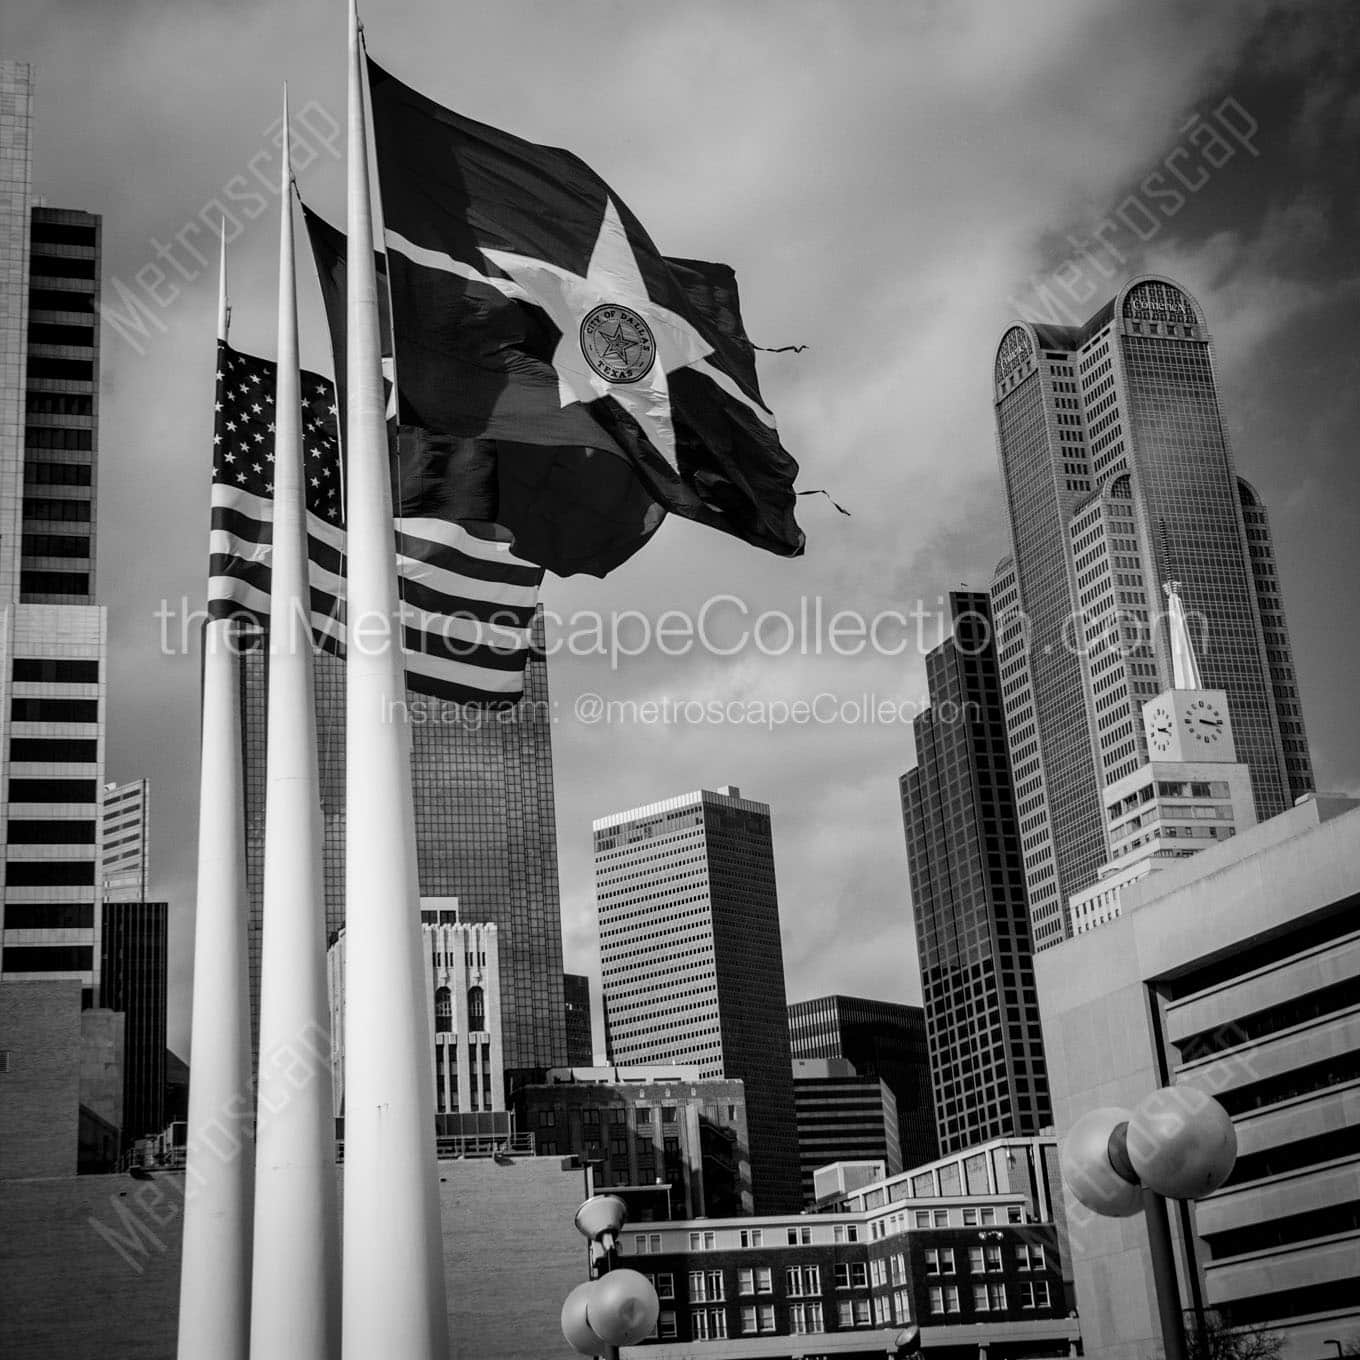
(562, 798)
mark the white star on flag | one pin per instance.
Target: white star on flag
(611, 277)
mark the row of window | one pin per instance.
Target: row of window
(54, 583)
(49, 873)
(48, 670)
(54, 710)
(989, 1298)
(984, 1259)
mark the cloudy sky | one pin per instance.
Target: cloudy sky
(892, 182)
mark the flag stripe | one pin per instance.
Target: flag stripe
(467, 603)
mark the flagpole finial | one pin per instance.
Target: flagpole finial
(223, 305)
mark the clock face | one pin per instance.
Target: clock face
(1160, 727)
(1204, 721)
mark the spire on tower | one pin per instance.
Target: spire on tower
(1185, 673)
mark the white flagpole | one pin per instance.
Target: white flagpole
(214, 1300)
(295, 1295)
(393, 1249)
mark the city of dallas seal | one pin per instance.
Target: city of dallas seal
(618, 343)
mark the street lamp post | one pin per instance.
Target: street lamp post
(1179, 1143)
(616, 1306)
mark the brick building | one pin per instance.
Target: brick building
(974, 1272)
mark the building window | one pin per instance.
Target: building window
(853, 1313)
(899, 1267)
(805, 1317)
(645, 1244)
(923, 1218)
(1034, 1294)
(703, 1241)
(752, 1237)
(1029, 1257)
(939, 1260)
(970, 1218)
(476, 1010)
(764, 1280)
(802, 1281)
(706, 1286)
(989, 1297)
(992, 1257)
(845, 1232)
(708, 1324)
(443, 1011)
(765, 1311)
(852, 1275)
(800, 1236)
(748, 1320)
(941, 1218)
(665, 1324)
(936, 1293)
(664, 1284)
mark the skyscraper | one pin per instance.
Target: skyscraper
(842, 1117)
(968, 897)
(52, 634)
(133, 970)
(485, 833)
(1119, 477)
(881, 1039)
(125, 850)
(580, 1032)
(693, 968)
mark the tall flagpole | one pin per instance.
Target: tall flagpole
(214, 1299)
(393, 1264)
(295, 1295)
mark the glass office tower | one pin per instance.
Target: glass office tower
(1119, 478)
(968, 897)
(486, 834)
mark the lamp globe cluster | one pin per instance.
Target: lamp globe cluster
(1178, 1142)
(617, 1308)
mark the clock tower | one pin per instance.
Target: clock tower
(1192, 793)
(1187, 722)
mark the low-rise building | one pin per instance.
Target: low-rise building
(978, 1273)
(1232, 972)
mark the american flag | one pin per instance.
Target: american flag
(467, 604)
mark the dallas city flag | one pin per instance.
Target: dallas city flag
(467, 604)
(556, 375)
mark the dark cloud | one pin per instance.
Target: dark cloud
(888, 180)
